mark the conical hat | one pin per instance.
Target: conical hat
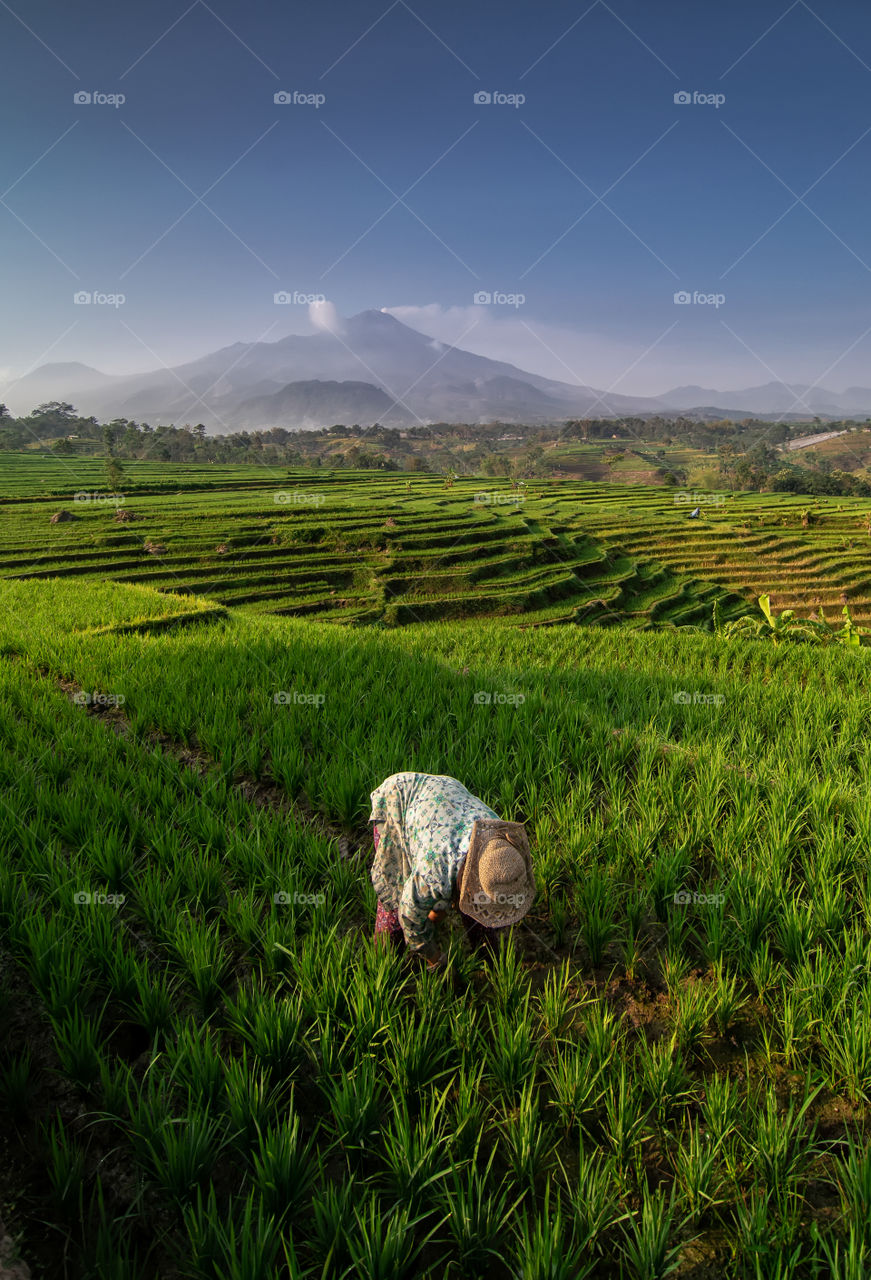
(495, 885)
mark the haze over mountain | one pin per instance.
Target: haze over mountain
(372, 367)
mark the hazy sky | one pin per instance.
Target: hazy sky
(596, 199)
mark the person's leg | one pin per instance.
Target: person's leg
(388, 930)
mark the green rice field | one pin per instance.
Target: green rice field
(207, 1069)
(368, 547)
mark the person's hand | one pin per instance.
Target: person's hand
(438, 962)
(436, 916)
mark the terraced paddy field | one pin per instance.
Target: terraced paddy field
(207, 1070)
(383, 548)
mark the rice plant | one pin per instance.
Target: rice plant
(332, 1223)
(383, 1245)
(727, 1000)
(418, 1050)
(646, 1248)
(721, 1107)
(271, 1028)
(842, 1259)
(251, 1101)
(195, 1061)
(415, 1152)
(662, 1077)
(76, 1042)
(180, 1155)
(283, 1168)
(556, 1003)
(202, 958)
(852, 1176)
(696, 1171)
(577, 1085)
(107, 1253)
(592, 1188)
(769, 1247)
(152, 1004)
(508, 981)
(65, 1168)
(528, 1141)
(468, 1113)
(547, 1247)
(846, 1048)
(603, 1034)
(625, 1121)
(355, 1104)
(242, 1243)
(511, 1052)
(781, 1144)
(478, 1216)
(691, 1014)
(596, 909)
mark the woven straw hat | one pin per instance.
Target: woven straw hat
(496, 885)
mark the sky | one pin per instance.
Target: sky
(624, 154)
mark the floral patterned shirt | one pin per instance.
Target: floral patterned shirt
(424, 826)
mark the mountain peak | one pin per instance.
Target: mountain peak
(372, 317)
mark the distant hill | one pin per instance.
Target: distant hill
(315, 404)
(391, 373)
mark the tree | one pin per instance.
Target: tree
(53, 418)
(114, 474)
(57, 408)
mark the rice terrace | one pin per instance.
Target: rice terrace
(208, 1069)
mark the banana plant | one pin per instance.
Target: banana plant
(787, 625)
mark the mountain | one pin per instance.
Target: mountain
(426, 380)
(375, 368)
(774, 398)
(57, 381)
(315, 404)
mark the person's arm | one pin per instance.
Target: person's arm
(415, 904)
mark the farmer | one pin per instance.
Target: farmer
(437, 846)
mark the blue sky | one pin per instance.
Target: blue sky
(596, 199)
